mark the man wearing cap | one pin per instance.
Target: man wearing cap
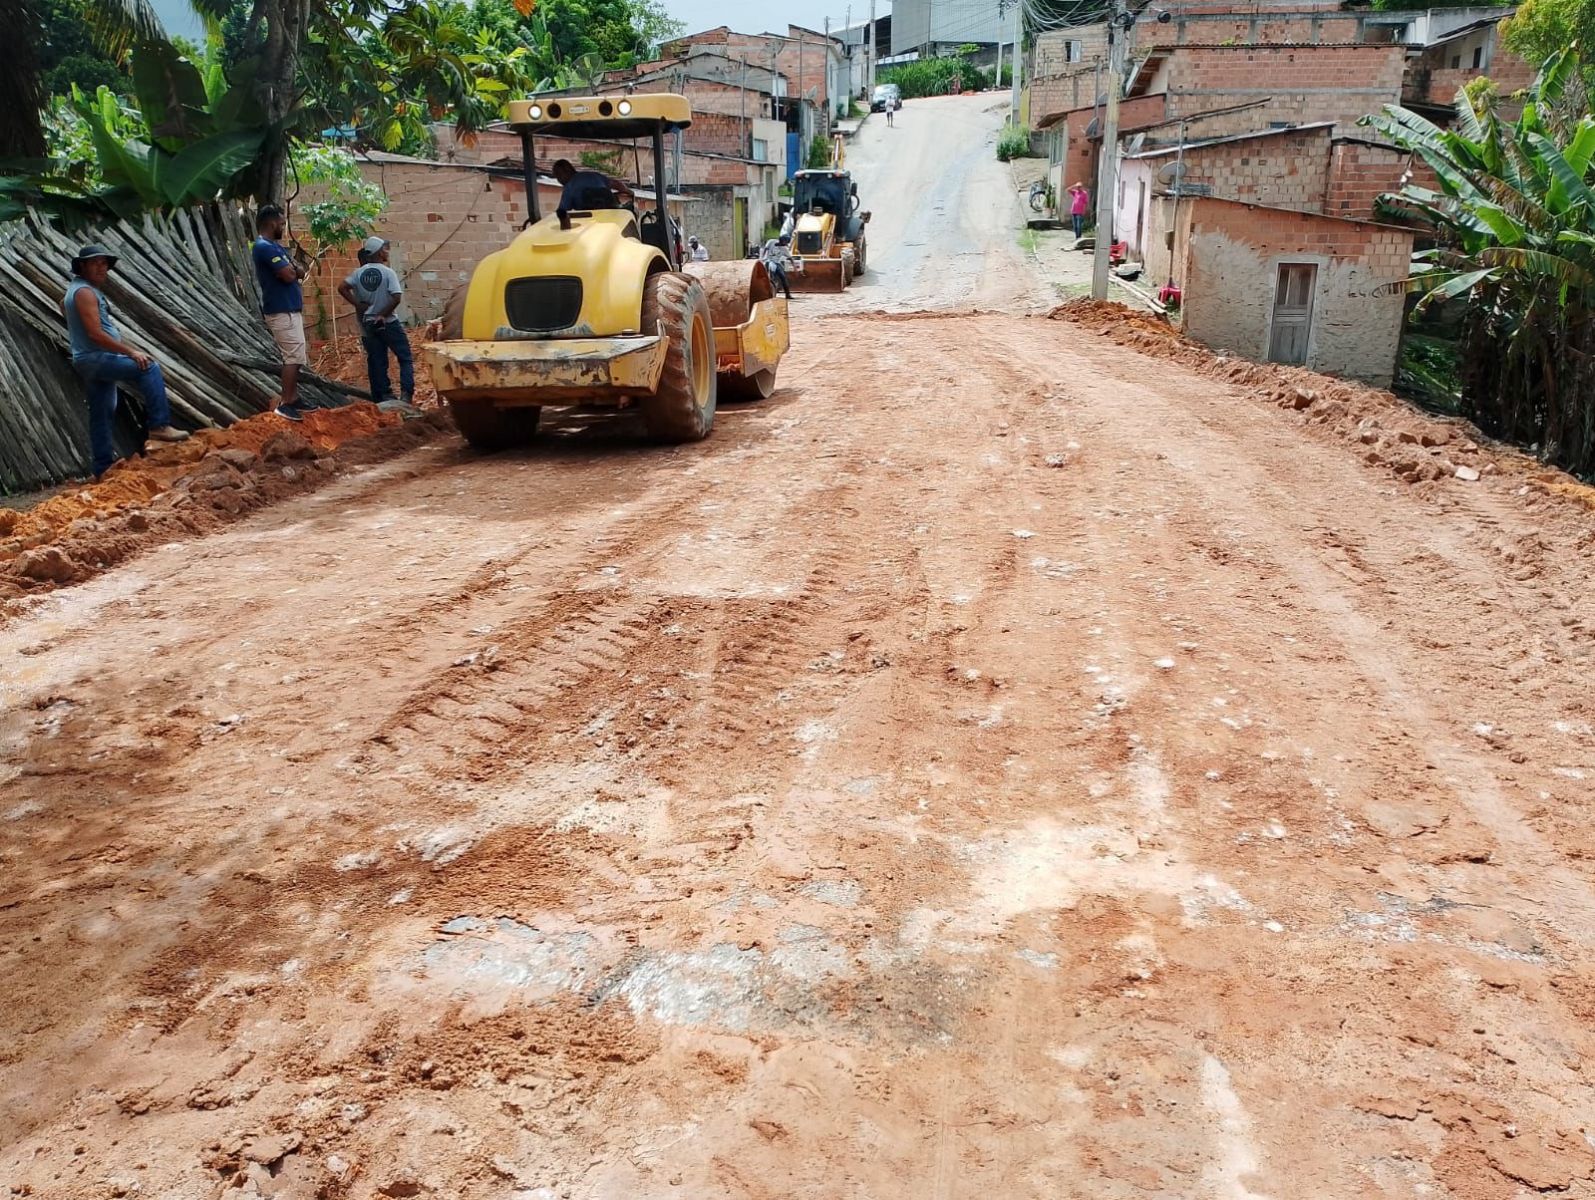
(103, 360)
(282, 301)
(375, 291)
(700, 252)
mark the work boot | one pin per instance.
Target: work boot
(165, 433)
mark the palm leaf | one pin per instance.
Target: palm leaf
(118, 24)
(200, 171)
(1563, 271)
(1565, 183)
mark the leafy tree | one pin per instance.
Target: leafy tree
(1540, 28)
(68, 53)
(1514, 226)
(347, 207)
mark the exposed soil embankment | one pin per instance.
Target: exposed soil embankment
(191, 488)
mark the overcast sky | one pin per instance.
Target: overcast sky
(694, 14)
(763, 15)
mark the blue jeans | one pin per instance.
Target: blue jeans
(101, 371)
(378, 340)
(1079, 223)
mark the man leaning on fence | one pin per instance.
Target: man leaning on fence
(282, 302)
(103, 360)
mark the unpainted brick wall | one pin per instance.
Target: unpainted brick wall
(1231, 255)
(1302, 84)
(1360, 173)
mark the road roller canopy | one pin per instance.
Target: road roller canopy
(599, 117)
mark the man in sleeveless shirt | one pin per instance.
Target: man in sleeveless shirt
(102, 360)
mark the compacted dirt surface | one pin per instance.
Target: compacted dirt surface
(1021, 758)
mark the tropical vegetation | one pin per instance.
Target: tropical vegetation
(1512, 227)
(102, 112)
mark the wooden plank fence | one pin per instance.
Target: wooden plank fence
(184, 291)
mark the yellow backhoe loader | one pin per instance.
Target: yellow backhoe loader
(828, 230)
(593, 306)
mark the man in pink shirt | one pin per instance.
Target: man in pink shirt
(1079, 204)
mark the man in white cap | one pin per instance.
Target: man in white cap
(102, 360)
(375, 291)
(700, 252)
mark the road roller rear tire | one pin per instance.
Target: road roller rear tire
(682, 408)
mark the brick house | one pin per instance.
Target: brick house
(1278, 285)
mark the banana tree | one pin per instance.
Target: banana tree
(1512, 223)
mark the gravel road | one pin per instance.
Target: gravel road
(1003, 764)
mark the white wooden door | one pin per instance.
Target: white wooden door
(1293, 312)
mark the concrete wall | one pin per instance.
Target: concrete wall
(918, 22)
(1231, 255)
(1301, 84)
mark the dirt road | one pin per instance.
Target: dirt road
(999, 765)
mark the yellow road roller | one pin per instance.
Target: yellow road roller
(591, 304)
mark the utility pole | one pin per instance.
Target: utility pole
(1119, 25)
(826, 76)
(1018, 55)
(1002, 9)
(869, 53)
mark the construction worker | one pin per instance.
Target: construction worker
(699, 252)
(375, 290)
(282, 302)
(581, 190)
(102, 360)
(774, 256)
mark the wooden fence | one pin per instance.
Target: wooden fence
(184, 292)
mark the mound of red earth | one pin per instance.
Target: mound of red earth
(1417, 447)
(190, 488)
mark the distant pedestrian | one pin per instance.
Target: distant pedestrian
(1079, 204)
(891, 110)
(282, 301)
(375, 291)
(700, 252)
(102, 360)
(775, 257)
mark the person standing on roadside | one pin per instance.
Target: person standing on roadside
(1079, 204)
(891, 108)
(282, 301)
(699, 252)
(102, 360)
(375, 291)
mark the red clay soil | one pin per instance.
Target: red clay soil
(1416, 446)
(343, 359)
(188, 489)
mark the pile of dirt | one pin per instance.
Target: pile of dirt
(344, 359)
(1415, 446)
(190, 488)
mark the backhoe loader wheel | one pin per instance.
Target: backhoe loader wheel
(488, 428)
(757, 386)
(682, 409)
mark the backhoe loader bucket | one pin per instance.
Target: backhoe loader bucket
(823, 274)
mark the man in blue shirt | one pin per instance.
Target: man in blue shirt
(102, 360)
(581, 191)
(282, 301)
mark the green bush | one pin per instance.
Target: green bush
(1013, 142)
(933, 76)
(819, 153)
